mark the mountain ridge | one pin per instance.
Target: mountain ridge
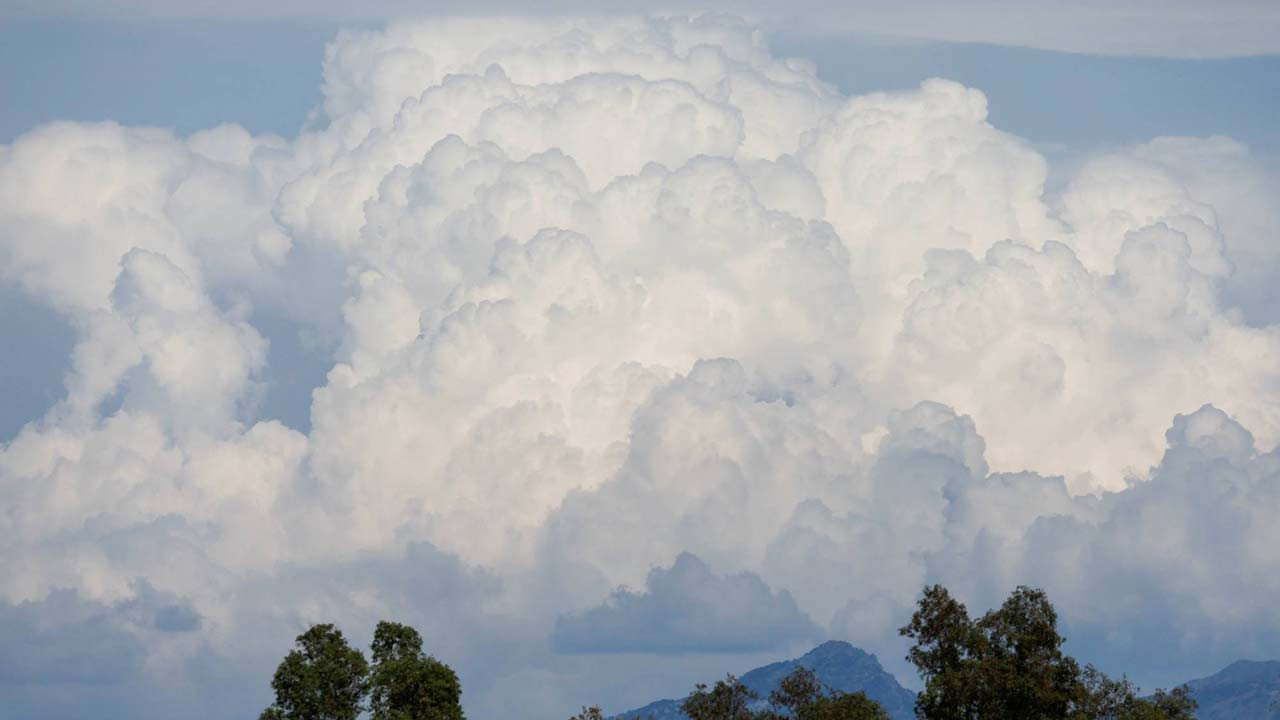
(1243, 690)
(838, 665)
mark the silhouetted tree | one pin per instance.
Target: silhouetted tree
(589, 713)
(405, 683)
(322, 678)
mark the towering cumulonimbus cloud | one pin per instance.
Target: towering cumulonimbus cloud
(611, 295)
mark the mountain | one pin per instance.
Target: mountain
(1244, 690)
(838, 665)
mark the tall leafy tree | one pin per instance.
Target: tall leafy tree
(1010, 664)
(322, 678)
(946, 642)
(1021, 660)
(407, 684)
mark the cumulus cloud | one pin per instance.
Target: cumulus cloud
(594, 294)
(688, 608)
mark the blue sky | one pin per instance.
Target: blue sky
(265, 75)
(618, 353)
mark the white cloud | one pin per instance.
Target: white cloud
(602, 292)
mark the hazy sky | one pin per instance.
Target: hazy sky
(265, 75)
(469, 322)
(1162, 28)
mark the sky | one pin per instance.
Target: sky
(615, 352)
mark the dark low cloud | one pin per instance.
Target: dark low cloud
(65, 639)
(688, 609)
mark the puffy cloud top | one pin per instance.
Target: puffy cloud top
(594, 294)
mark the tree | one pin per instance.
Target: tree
(798, 689)
(843, 706)
(729, 699)
(1010, 664)
(589, 713)
(945, 641)
(1023, 660)
(1107, 699)
(801, 695)
(1176, 704)
(406, 684)
(322, 678)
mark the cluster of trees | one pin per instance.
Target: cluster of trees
(324, 678)
(799, 696)
(1006, 665)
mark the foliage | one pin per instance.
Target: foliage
(1175, 704)
(322, 678)
(843, 706)
(795, 691)
(729, 699)
(1010, 664)
(1108, 699)
(800, 695)
(589, 713)
(406, 684)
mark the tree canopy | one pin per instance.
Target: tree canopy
(802, 696)
(799, 696)
(729, 699)
(407, 684)
(1009, 664)
(322, 678)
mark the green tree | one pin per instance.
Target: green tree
(1010, 664)
(801, 695)
(1108, 699)
(322, 678)
(1022, 660)
(798, 689)
(1176, 704)
(946, 642)
(407, 684)
(729, 699)
(1007, 664)
(843, 706)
